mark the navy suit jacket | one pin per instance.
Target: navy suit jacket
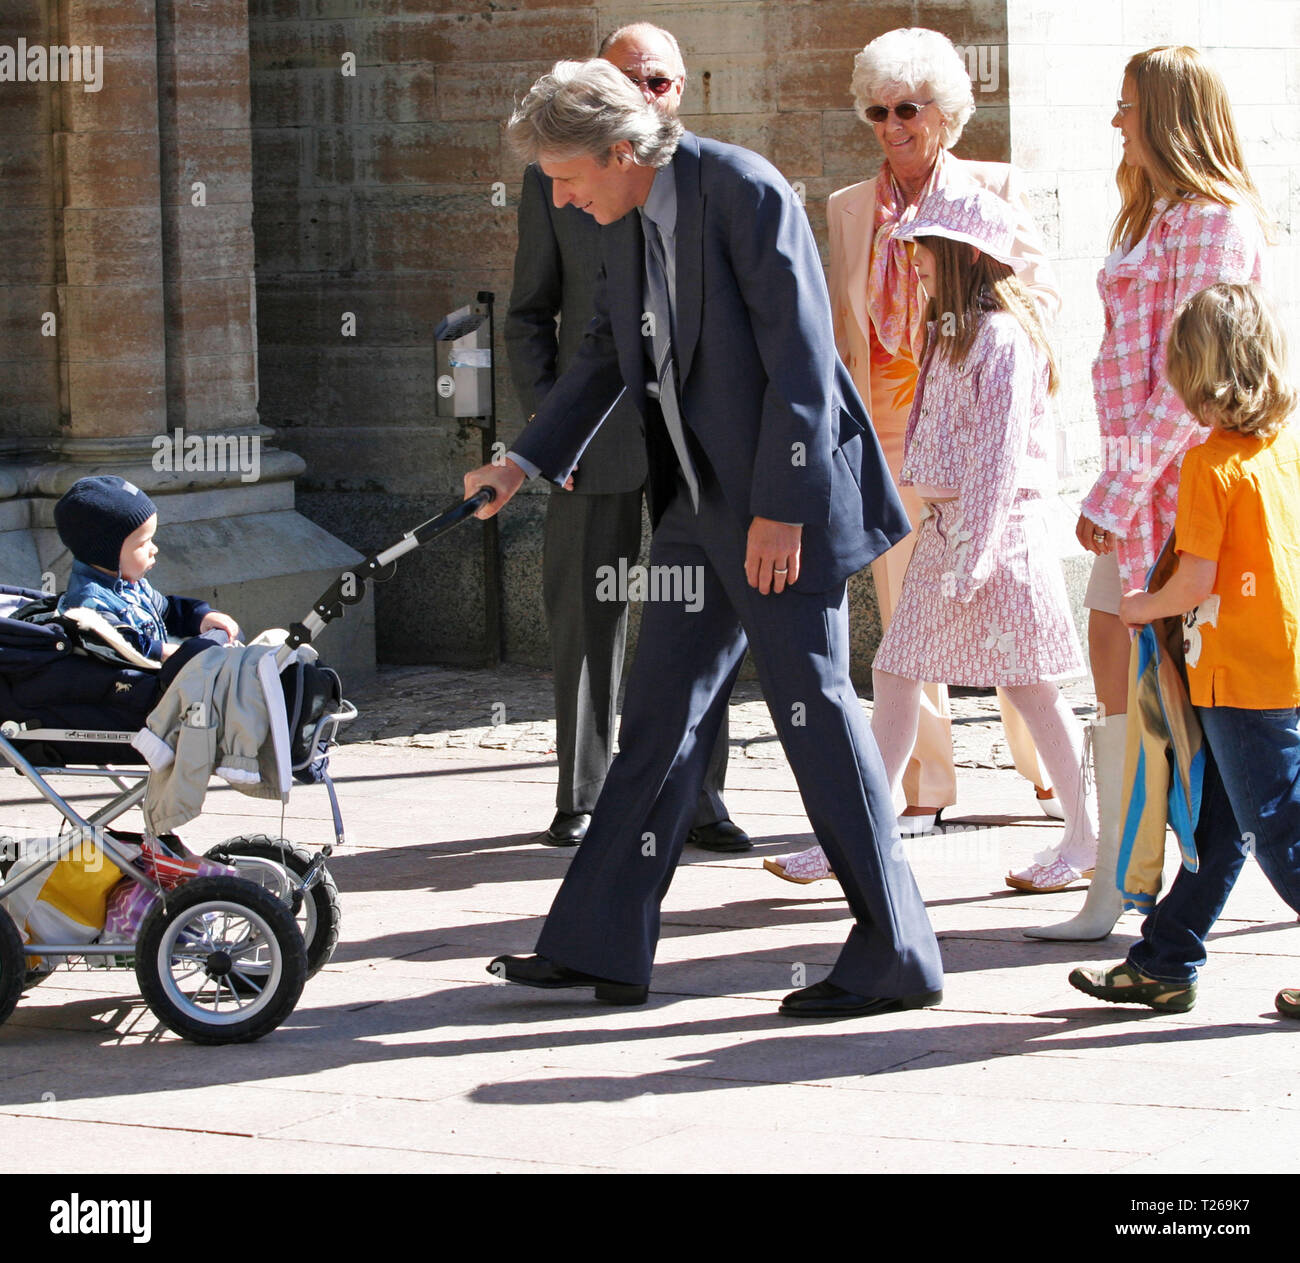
(763, 392)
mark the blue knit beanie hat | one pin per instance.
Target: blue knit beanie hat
(97, 514)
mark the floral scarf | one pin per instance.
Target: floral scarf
(894, 302)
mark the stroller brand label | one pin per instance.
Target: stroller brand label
(102, 1217)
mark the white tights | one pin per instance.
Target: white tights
(1057, 734)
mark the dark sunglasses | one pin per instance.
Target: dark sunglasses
(658, 84)
(905, 111)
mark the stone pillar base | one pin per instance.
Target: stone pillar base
(239, 546)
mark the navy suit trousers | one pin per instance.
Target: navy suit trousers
(605, 918)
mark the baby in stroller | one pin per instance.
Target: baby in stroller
(81, 680)
(220, 959)
(108, 525)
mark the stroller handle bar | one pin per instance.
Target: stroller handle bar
(350, 587)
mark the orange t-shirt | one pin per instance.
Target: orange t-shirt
(1239, 505)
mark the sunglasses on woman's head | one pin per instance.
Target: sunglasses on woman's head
(904, 110)
(658, 84)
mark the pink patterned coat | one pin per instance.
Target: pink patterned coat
(983, 601)
(1144, 427)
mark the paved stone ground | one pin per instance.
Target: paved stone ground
(403, 1056)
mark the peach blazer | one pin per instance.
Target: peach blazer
(850, 218)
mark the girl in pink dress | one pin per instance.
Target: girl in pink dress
(982, 602)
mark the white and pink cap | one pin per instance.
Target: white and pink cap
(968, 214)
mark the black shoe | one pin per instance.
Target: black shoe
(537, 971)
(825, 999)
(567, 829)
(722, 835)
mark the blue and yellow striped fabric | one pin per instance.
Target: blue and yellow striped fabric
(1164, 765)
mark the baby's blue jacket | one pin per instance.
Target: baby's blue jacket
(141, 613)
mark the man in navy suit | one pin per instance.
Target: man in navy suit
(766, 483)
(595, 524)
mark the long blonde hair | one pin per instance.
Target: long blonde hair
(965, 289)
(1190, 139)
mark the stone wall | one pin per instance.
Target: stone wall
(390, 194)
(127, 215)
(29, 362)
(71, 259)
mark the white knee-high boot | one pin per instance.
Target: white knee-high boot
(1058, 738)
(1102, 906)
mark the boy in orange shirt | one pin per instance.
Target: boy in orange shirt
(1237, 587)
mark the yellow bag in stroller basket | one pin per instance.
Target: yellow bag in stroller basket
(69, 903)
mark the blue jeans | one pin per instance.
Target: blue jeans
(1250, 802)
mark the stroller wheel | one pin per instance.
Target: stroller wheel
(318, 911)
(220, 961)
(13, 964)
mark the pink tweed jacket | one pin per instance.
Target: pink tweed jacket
(1144, 427)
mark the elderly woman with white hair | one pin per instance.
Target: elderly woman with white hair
(912, 88)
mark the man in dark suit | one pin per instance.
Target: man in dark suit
(596, 523)
(766, 482)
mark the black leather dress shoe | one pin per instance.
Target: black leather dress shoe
(567, 829)
(537, 971)
(825, 999)
(721, 835)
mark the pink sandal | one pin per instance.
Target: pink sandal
(802, 867)
(1047, 878)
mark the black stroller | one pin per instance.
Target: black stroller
(223, 943)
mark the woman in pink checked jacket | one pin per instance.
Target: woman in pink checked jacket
(1190, 217)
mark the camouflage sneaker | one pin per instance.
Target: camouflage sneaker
(1123, 984)
(1288, 1002)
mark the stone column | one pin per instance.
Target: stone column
(29, 264)
(140, 197)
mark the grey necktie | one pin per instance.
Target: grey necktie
(657, 291)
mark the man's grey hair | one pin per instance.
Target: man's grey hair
(584, 108)
(642, 30)
(915, 60)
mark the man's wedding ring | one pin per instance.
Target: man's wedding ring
(1099, 536)
(780, 569)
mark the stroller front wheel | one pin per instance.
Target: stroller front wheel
(220, 961)
(13, 965)
(317, 911)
